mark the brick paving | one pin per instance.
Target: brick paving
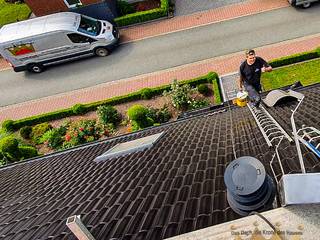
(222, 65)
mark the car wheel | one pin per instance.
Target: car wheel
(306, 5)
(101, 52)
(35, 68)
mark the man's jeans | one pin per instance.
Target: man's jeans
(253, 93)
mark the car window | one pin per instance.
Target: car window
(89, 26)
(78, 38)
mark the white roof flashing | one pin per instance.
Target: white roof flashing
(126, 148)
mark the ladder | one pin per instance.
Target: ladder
(269, 127)
(310, 137)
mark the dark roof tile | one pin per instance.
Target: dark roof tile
(174, 187)
(192, 208)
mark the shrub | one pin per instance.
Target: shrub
(108, 114)
(25, 132)
(124, 8)
(163, 115)
(212, 76)
(79, 109)
(203, 89)
(38, 131)
(53, 138)
(159, 115)
(27, 152)
(144, 16)
(8, 125)
(146, 93)
(82, 131)
(295, 58)
(9, 145)
(180, 95)
(195, 104)
(137, 113)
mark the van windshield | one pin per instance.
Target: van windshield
(89, 26)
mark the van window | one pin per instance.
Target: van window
(89, 26)
(78, 38)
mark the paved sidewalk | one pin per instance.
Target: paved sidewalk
(136, 33)
(222, 65)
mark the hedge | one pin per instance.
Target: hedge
(211, 77)
(295, 58)
(143, 16)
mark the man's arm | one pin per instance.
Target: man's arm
(240, 79)
(240, 82)
(266, 67)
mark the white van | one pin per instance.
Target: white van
(302, 3)
(33, 44)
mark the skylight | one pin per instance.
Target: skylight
(125, 148)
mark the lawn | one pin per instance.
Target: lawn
(307, 73)
(10, 12)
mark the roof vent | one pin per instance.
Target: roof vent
(249, 188)
(125, 148)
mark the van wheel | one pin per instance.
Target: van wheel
(101, 52)
(35, 68)
(306, 5)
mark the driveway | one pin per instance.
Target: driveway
(186, 7)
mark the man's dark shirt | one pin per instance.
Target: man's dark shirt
(251, 73)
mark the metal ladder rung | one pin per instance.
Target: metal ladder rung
(271, 129)
(270, 134)
(265, 119)
(303, 129)
(313, 138)
(268, 124)
(307, 133)
(262, 118)
(306, 139)
(278, 137)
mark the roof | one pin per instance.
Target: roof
(174, 187)
(68, 21)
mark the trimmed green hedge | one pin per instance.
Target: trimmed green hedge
(295, 58)
(211, 77)
(144, 16)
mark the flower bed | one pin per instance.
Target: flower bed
(93, 122)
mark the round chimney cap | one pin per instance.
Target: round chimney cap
(244, 175)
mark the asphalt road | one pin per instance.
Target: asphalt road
(185, 7)
(162, 52)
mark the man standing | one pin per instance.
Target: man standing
(250, 74)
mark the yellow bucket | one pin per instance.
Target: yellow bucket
(241, 102)
(241, 99)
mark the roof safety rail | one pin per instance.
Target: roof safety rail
(301, 188)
